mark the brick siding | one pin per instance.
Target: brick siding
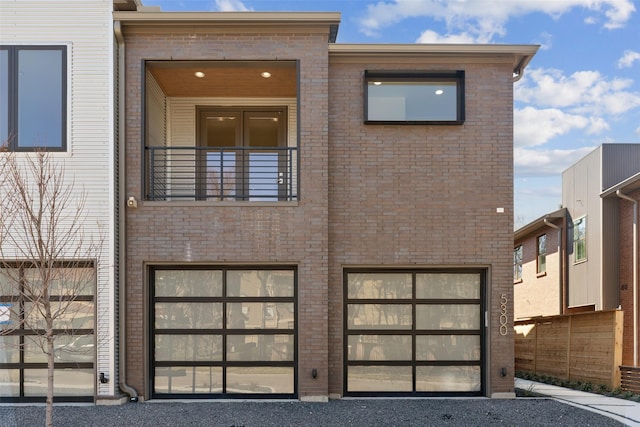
(373, 195)
(626, 276)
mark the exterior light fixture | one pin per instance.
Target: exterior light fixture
(377, 83)
(199, 74)
(439, 92)
(265, 74)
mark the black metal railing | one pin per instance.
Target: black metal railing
(235, 173)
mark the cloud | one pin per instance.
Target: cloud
(485, 21)
(533, 127)
(628, 59)
(583, 92)
(231, 6)
(545, 40)
(536, 163)
(434, 38)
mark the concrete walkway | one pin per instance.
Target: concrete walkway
(625, 411)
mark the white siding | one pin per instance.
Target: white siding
(85, 27)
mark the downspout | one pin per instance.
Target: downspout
(122, 325)
(560, 263)
(635, 273)
(518, 72)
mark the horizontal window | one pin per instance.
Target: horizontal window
(33, 97)
(414, 97)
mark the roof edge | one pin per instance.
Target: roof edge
(521, 53)
(538, 223)
(227, 17)
(633, 182)
(159, 18)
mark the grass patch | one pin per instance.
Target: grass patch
(575, 385)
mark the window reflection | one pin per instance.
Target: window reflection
(379, 378)
(379, 347)
(448, 316)
(40, 114)
(184, 283)
(379, 285)
(448, 285)
(258, 315)
(260, 283)
(448, 378)
(234, 325)
(188, 347)
(188, 315)
(380, 316)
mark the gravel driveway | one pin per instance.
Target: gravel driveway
(372, 412)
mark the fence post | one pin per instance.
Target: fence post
(618, 322)
(569, 349)
(535, 346)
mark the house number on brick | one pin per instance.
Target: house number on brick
(503, 315)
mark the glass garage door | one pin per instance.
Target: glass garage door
(413, 332)
(223, 332)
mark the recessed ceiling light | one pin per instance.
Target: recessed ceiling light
(377, 83)
(199, 74)
(265, 74)
(439, 92)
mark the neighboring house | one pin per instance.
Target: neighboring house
(309, 219)
(625, 196)
(598, 257)
(56, 92)
(539, 266)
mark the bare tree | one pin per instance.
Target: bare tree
(47, 266)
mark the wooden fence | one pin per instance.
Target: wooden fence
(575, 347)
(630, 378)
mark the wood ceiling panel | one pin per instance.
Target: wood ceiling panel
(225, 79)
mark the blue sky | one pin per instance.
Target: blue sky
(581, 90)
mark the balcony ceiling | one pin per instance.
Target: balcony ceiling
(226, 78)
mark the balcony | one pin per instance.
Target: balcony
(221, 174)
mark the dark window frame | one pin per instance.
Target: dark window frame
(580, 239)
(541, 255)
(224, 331)
(13, 97)
(457, 76)
(241, 163)
(414, 301)
(21, 332)
(517, 263)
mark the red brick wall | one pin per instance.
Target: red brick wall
(626, 275)
(161, 233)
(423, 195)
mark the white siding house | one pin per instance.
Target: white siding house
(82, 30)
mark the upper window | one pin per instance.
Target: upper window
(580, 239)
(541, 258)
(517, 264)
(33, 97)
(414, 97)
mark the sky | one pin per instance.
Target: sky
(581, 90)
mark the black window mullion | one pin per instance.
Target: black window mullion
(414, 332)
(414, 329)
(21, 332)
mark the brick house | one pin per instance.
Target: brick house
(626, 195)
(309, 219)
(539, 268)
(595, 266)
